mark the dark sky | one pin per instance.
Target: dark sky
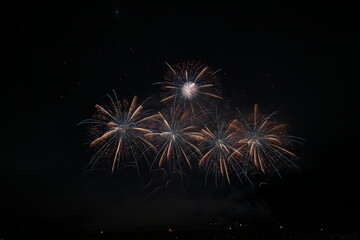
(62, 58)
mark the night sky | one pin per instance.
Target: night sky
(63, 58)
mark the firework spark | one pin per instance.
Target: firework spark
(174, 136)
(119, 130)
(190, 85)
(265, 142)
(222, 154)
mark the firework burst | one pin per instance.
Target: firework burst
(186, 135)
(265, 142)
(119, 130)
(221, 151)
(174, 137)
(190, 85)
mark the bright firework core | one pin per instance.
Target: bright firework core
(219, 143)
(189, 90)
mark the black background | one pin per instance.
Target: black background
(62, 58)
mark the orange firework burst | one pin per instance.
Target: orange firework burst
(265, 142)
(174, 136)
(187, 135)
(221, 151)
(119, 130)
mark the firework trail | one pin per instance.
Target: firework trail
(222, 155)
(118, 131)
(174, 136)
(159, 181)
(191, 85)
(265, 142)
